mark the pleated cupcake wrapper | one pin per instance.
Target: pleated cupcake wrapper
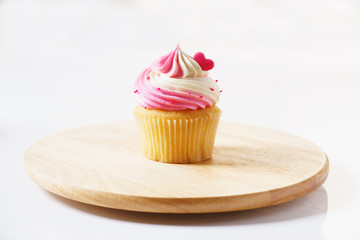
(178, 140)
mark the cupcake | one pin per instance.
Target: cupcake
(177, 114)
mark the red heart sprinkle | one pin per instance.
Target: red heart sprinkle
(205, 64)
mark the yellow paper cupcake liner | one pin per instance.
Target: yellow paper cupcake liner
(177, 136)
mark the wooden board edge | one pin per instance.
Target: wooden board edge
(183, 205)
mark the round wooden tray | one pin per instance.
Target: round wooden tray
(251, 167)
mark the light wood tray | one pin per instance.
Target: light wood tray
(251, 167)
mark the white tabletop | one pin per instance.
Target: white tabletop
(289, 65)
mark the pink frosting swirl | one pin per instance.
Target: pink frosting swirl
(176, 82)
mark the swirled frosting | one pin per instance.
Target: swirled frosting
(176, 82)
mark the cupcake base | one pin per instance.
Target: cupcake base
(185, 136)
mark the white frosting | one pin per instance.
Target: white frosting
(199, 85)
(188, 65)
(177, 64)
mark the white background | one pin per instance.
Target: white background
(290, 65)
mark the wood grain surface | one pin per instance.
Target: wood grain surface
(251, 167)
